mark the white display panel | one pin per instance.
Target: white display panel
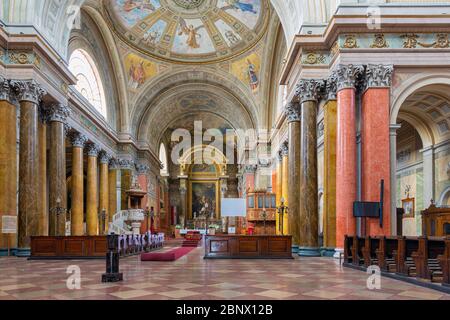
(234, 208)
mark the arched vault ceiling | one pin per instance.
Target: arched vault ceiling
(218, 83)
(429, 110)
(185, 100)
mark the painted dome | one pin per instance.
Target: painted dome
(189, 30)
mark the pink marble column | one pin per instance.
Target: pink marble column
(375, 144)
(347, 78)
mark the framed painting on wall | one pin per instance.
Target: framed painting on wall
(408, 206)
(204, 200)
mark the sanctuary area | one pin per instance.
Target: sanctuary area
(224, 149)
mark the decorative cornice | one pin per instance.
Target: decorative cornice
(58, 112)
(309, 89)
(378, 76)
(93, 149)
(29, 91)
(331, 87)
(78, 140)
(104, 157)
(349, 76)
(5, 90)
(142, 169)
(292, 111)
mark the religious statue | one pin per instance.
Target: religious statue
(191, 32)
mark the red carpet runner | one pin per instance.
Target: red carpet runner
(172, 255)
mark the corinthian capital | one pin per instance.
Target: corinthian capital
(379, 76)
(5, 90)
(93, 150)
(28, 90)
(309, 89)
(349, 76)
(331, 87)
(114, 164)
(292, 111)
(58, 112)
(78, 139)
(284, 149)
(142, 169)
(104, 157)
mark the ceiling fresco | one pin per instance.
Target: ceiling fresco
(190, 31)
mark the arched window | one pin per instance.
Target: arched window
(89, 83)
(163, 159)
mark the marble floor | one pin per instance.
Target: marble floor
(192, 278)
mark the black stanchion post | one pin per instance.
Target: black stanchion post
(112, 260)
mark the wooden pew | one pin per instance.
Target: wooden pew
(385, 253)
(426, 258)
(444, 262)
(403, 255)
(348, 244)
(357, 250)
(371, 245)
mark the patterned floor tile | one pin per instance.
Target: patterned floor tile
(227, 294)
(276, 294)
(324, 294)
(132, 294)
(179, 294)
(421, 295)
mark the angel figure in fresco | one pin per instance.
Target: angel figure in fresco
(137, 75)
(238, 5)
(130, 5)
(252, 76)
(191, 32)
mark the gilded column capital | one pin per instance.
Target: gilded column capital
(309, 90)
(58, 112)
(279, 156)
(331, 87)
(104, 157)
(284, 149)
(292, 111)
(5, 90)
(78, 140)
(349, 76)
(93, 149)
(28, 90)
(378, 76)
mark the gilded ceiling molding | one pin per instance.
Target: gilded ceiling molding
(309, 89)
(28, 90)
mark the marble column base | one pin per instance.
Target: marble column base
(294, 249)
(327, 252)
(4, 252)
(309, 252)
(337, 253)
(23, 252)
